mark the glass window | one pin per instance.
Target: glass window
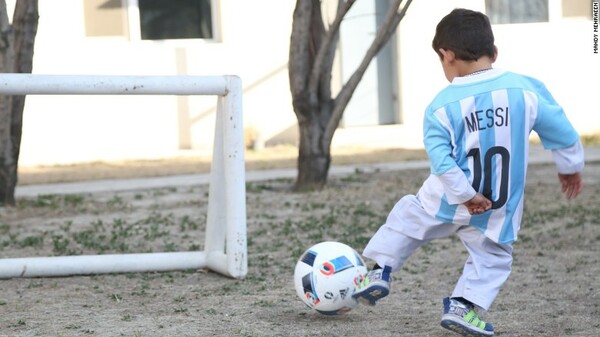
(516, 11)
(175, 19)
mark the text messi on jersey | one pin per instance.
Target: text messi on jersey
(485, 119)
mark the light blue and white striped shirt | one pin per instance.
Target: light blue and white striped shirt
(476, 133)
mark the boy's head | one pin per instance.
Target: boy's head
(468, 34)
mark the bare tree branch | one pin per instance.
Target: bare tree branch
(326, 46)
(388, 27)
(299, 48)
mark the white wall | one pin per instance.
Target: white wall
(255, 46)
(68, 129)
(558, 53)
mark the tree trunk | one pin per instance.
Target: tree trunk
(312, 51)
(314, 158)
(16, 56)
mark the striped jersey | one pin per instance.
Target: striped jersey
(476, 133)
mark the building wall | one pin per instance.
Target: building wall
(558, 52)
(69, 129)
(253, 43)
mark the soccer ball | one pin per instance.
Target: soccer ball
(326, 275)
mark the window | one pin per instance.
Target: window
(151, 19)
(516, 11)
(175, 19)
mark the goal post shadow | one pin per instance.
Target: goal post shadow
(225, 249)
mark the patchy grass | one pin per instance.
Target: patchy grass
(550, 293)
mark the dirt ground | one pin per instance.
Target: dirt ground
(554, 289)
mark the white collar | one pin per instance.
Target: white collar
(478, 77)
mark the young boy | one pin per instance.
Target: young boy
(476, 133)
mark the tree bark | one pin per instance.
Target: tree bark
(16, 56)
(314, 159)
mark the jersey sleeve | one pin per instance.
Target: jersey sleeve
(438, 140)
(569, 160)
(551, 124)
(457, 188)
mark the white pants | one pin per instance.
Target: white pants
(408, 227)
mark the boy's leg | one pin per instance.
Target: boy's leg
(484, 273)
(487, 268)
(407, 228)
(389, 249)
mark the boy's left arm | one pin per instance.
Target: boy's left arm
(570, 184)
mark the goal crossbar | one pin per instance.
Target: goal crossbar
(225, 249)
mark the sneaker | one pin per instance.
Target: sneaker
(461, 318)
(374, 286)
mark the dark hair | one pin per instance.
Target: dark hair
(467, 33)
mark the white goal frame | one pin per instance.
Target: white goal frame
(225, 249)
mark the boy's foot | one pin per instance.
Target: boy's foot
(461, 318)
(374, 286)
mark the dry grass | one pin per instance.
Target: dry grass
(270, 158)
(553, 290)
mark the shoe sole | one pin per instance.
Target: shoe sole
(460, 328)
(371, 295)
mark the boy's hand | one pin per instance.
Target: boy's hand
(570, 184)
(478, 204)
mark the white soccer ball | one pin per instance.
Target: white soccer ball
(326, 275)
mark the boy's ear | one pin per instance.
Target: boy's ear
(447, 55)
(495, 54)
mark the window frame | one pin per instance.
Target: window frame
(135, 30)
(549, 14)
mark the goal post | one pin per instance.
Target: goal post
(225, 249)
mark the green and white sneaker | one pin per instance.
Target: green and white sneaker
(374, 286)
(462, 318)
